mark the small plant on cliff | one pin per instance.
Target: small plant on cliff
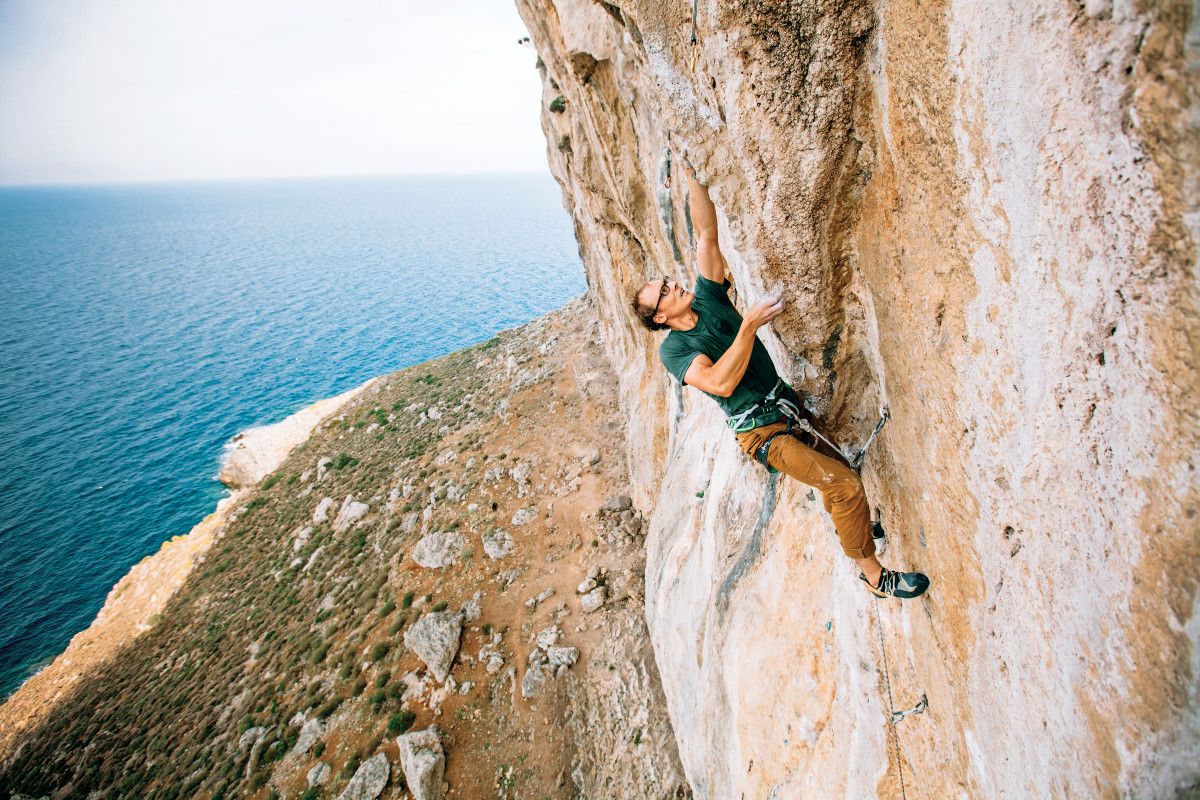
(399, 723)
(564, 144)
(342, 461)
(558, 105)
(380, 650)
(329, 707)
(351, 766)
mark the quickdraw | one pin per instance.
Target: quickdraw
(695, 40)
(917, 709)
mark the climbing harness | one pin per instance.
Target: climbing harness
(775, 406)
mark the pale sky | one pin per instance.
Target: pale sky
(132, 90)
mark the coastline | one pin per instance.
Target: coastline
(143, 592)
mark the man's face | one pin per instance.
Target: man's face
(667, 297)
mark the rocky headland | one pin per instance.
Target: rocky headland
(437, 585)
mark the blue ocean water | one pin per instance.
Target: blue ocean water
(143, 326)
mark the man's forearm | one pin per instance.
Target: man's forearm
(704, 213)
(704, 221)
(728, 370)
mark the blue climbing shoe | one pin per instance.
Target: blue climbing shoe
(904, 585)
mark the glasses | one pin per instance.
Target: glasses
(662, 292)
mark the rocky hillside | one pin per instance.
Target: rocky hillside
(438, 594)
(984, 216)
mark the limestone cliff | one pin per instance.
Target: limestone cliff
(985, 217)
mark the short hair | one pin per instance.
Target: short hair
(644, 313)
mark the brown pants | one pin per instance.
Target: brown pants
(840, 487)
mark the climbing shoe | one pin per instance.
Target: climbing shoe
(905, 585)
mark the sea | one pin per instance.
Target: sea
(145, 325)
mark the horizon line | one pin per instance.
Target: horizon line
(266, 178)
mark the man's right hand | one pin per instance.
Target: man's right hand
(762, 313)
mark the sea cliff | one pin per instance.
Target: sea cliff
(984, 217)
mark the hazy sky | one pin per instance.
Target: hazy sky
(119, 90)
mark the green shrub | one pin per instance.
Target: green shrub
(407, 601)
(399, 723)
(342, 461)
(276, 751)
(442, 606)
(271, 480)
(382, 679)
(329, 707)
(558, 105)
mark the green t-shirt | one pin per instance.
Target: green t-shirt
(715, 331)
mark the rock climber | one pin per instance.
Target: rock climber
(715, 349)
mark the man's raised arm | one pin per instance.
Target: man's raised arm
(704, 222)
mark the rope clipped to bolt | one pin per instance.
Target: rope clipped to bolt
(695, 40)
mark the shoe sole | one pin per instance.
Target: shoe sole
(878, 593)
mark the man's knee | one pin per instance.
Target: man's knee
(845, 486)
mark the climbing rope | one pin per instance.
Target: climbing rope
(887, 681)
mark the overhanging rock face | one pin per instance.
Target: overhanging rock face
(985, 217)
